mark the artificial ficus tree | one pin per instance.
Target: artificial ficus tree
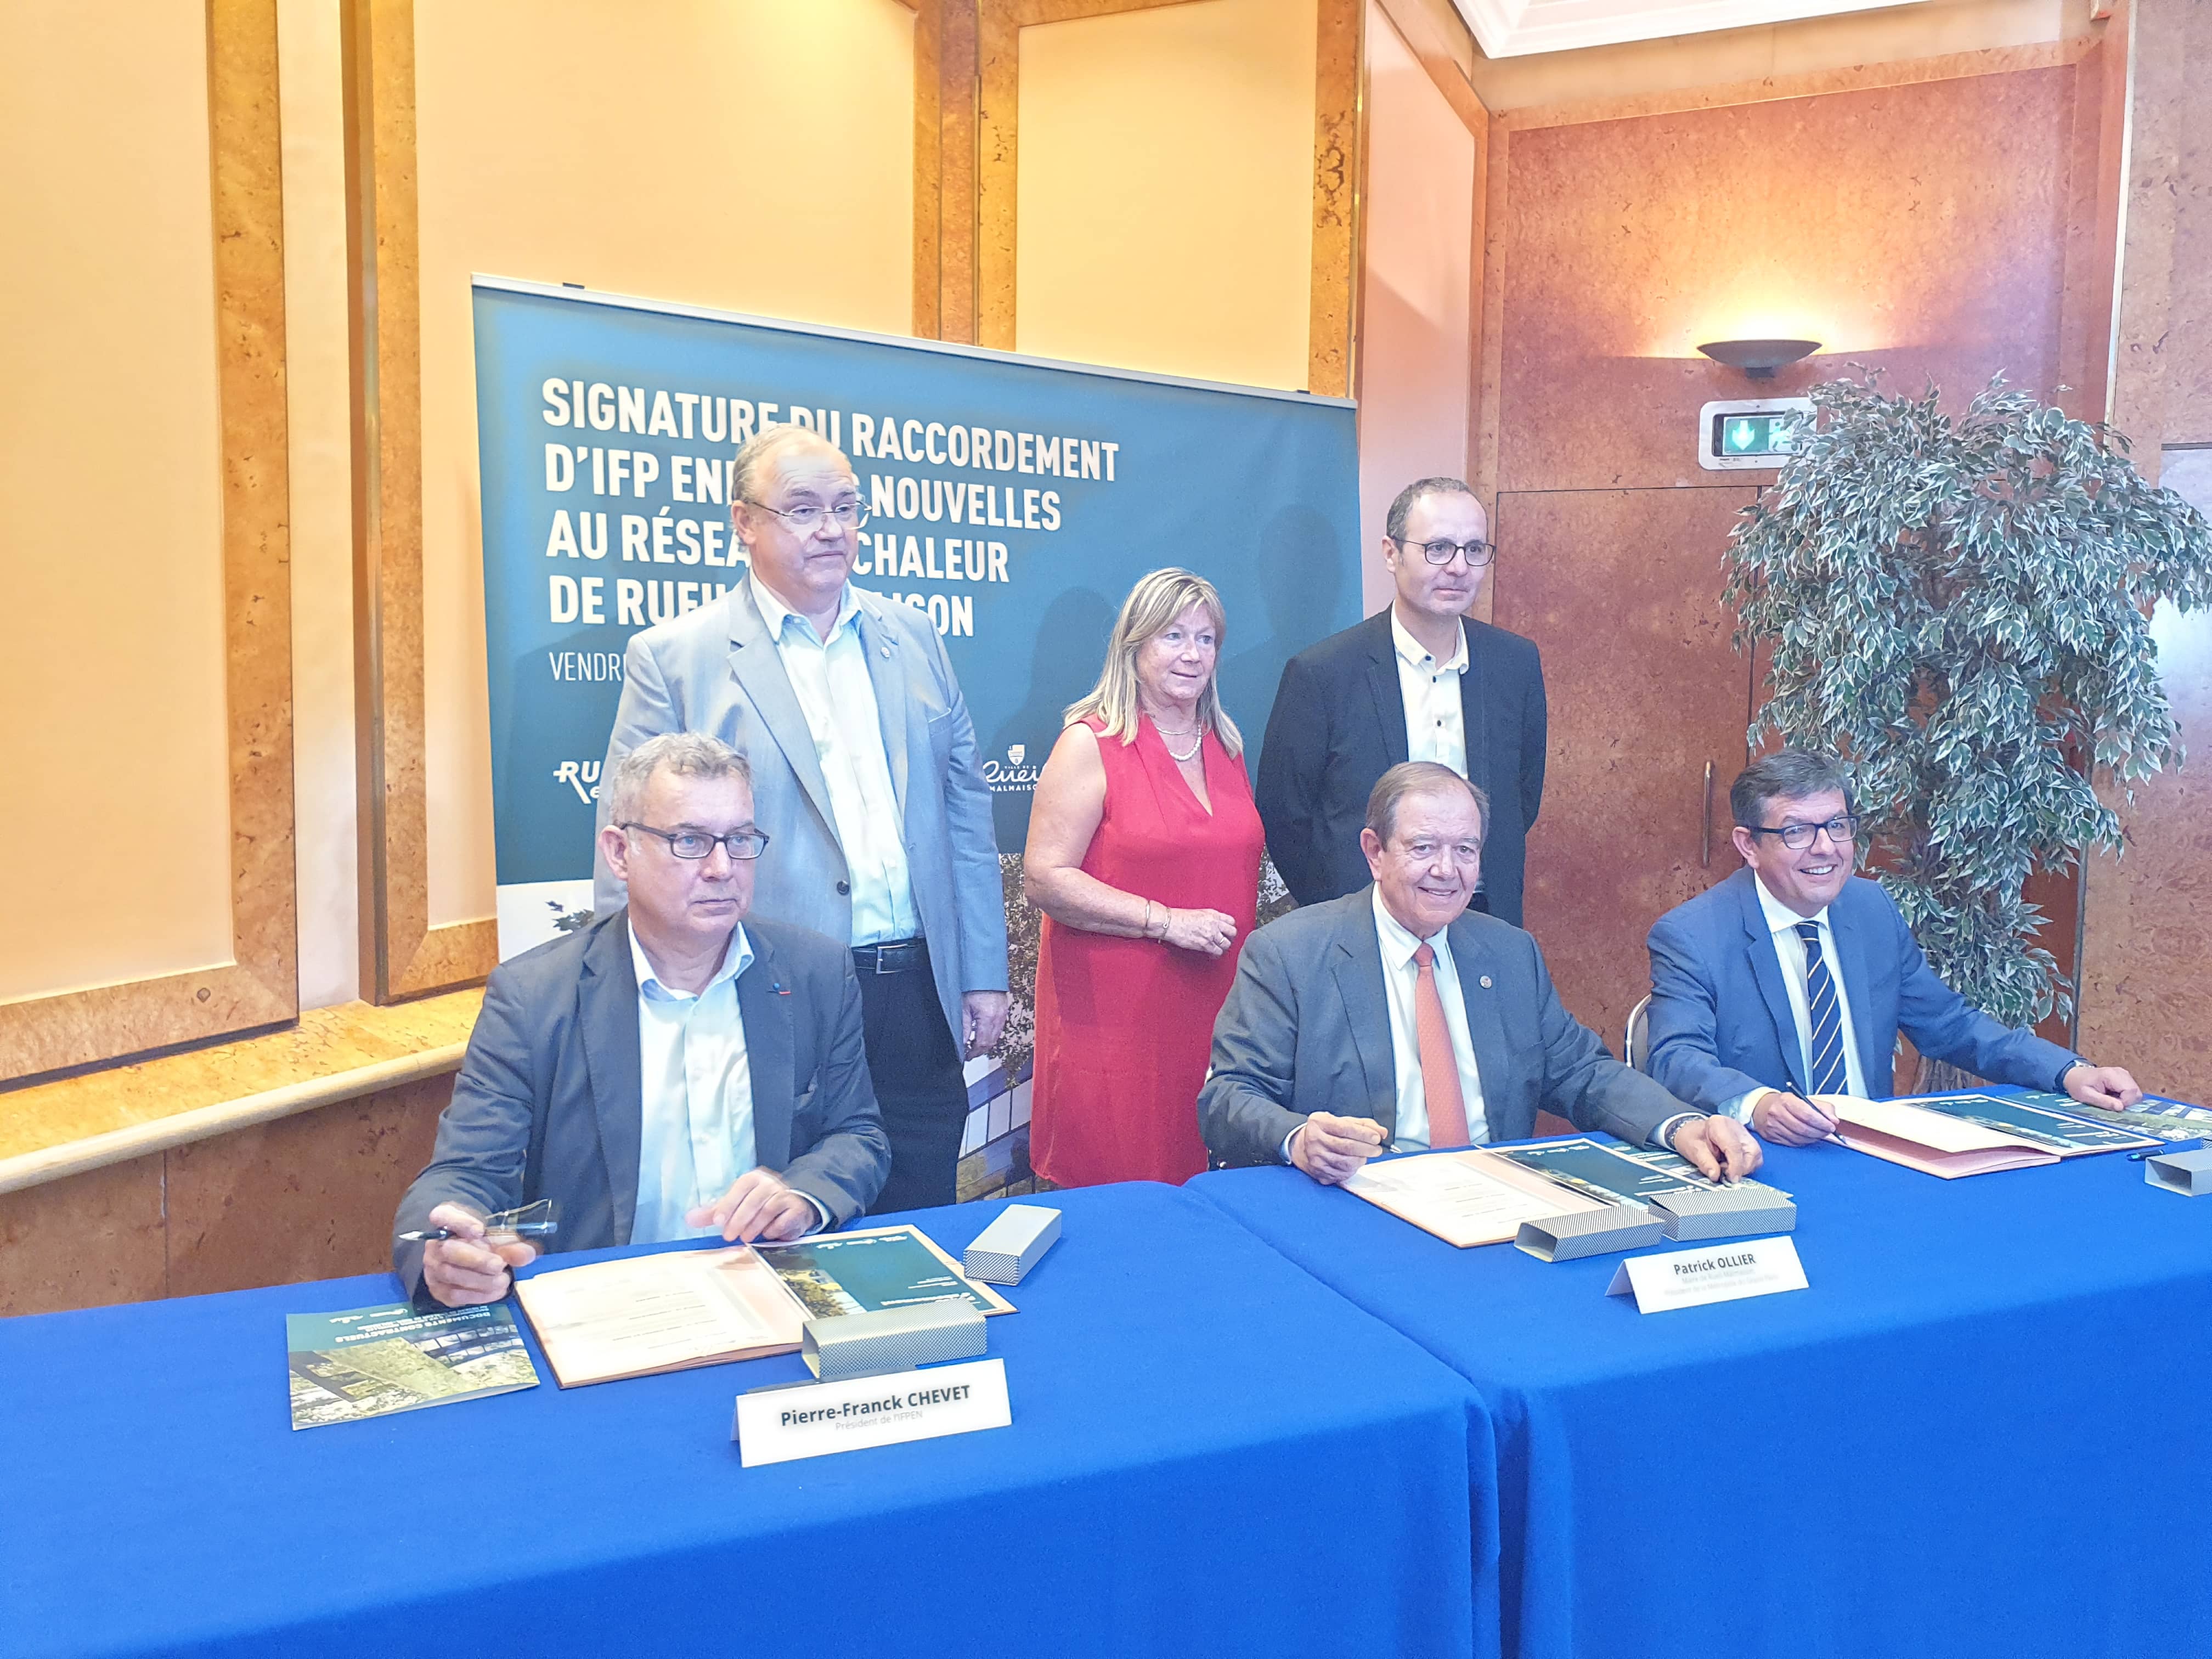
(1959, 608)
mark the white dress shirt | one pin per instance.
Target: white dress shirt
(1790, 949)
(1400, 976)
(696, 1133)
(830, 679)
(1435, 724)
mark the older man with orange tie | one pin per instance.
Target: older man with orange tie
(1394, 1019)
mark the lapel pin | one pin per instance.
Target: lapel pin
(1485, 982)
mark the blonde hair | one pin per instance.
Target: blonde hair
(1157, 599)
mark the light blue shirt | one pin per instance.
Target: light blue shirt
(696, 1134)
(1790, 949)
(1401, 974)
(830, 679)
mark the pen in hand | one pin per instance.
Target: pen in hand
(521, 1231)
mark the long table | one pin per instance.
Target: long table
(1210, 1454)
(1982, 1431)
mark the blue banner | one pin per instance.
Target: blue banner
(1014, 500)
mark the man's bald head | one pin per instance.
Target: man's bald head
(758, 456)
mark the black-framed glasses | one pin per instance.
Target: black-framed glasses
(1798, 836)
(806, 520)
(697, 843)
(1477, 554)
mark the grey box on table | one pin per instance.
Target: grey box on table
(2189, 1174)
(1013, 1243)
(893, 1340)
(1589, 1232)
(1723, 1212)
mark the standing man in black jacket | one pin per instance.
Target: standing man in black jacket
(1421, 681)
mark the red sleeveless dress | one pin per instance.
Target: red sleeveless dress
(1124, 1026)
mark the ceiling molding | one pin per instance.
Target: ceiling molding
(1515, 28)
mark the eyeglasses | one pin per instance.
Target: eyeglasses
(1799, 836)
(1478, 554)
(804, 521)
(697, 843)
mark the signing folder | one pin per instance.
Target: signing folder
(1466, 1198)
(1964, 1134)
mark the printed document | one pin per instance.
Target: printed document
(1464, 1198)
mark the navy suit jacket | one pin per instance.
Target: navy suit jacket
(1307, 1029)
(1721, 1023)
(549, 1103)
(1338, 723)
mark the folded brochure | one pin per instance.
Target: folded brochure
(372, 1362)
(640, 1315)
(1633, 1175)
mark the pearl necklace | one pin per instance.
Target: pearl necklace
(1197, 733)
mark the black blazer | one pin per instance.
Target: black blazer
(1338, 723)
(549, 1103)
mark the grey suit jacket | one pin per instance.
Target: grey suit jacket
(715, 670)
(549, 1102)
(1307, 1029)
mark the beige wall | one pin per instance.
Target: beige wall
(1417, 348)
(1165, 204)
(326, 796)
(111, 702)
(746, 154)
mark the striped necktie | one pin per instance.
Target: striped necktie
(1824, 1069)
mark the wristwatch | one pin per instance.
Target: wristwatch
(2058, 1083)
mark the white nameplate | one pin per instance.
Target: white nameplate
(781, 1423)
(1711, 1272)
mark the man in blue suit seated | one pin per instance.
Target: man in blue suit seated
(673, 1071)
(1792, 977)
(1394, 1019)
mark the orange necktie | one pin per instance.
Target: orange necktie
(1439, 1069)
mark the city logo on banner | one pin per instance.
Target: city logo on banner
(582, 776)
(1011, 776)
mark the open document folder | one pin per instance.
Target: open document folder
(1964, 1134)
(1471, 1197)
(637, 1316)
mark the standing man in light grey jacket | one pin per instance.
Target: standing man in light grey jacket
(865, 780)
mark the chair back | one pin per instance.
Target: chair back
(1636, 1041)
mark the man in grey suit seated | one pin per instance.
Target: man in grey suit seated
(864, 771)
(672, 1071)
(1394, 1019)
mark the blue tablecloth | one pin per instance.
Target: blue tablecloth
(1210, 1455)
(1983, 1430)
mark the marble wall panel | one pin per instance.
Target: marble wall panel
(2189, 299)
(1916, 228)
(85, 1242)
(304, 1197)
(2147, 977)
(1620, 590)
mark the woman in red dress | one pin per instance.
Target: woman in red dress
(1143, 855)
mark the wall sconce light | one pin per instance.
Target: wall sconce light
(1759, 359)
